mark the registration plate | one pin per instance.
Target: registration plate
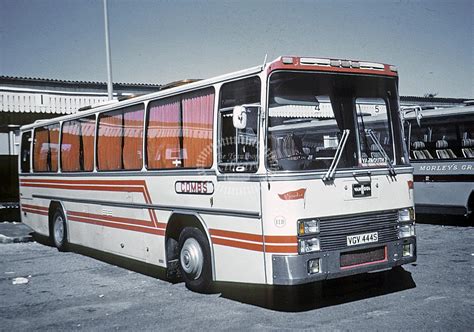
(353, 240)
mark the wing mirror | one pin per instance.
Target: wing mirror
(239, 114)
(239, 117)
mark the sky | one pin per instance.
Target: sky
(431, 42)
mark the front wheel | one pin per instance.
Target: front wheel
(59, 230)
(195, 260)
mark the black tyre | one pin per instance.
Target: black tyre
(59, 230)
(195, 260)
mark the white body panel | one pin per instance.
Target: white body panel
(124, 230)
(443, 186)
(328, 199)
(239, 251)
(443, 193)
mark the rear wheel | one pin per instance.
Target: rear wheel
(195, 260)
(59, 230)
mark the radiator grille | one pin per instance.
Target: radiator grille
(334, 230)
(363, 256)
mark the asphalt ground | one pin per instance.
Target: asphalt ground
(87, 290)
(14, 232)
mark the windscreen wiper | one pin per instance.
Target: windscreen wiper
(337, 156)
(371, 134)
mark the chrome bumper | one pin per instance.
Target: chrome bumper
(293, 270)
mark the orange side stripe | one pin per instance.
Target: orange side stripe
(118, 226)
(237, 235)
(280, 239)
(237, 244)
(140, 186)
(91, 182)
(254, 246)
(104, 185)
(117, 222)
(254, 237)
(43, 213)
(282, 249)
(84, 187)
(37, 207)
(111, 218)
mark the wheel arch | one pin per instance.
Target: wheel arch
(176, 223)
(470, 205)
(53, 206)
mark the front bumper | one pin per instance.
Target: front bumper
(293, 270)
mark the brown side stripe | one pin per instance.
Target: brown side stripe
(233, 239)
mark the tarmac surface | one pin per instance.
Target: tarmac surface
(14, 232)
(43, 289)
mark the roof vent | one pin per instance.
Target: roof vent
(178, 83)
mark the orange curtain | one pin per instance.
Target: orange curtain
(109, 146)
(88, 133)
(197, 128)
(54, 146)
(45, 149)
(41, 150)
(163, 146)
(70, 147)
(133, 138)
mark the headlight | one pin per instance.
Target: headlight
(309, 245)
(314, 266)
(406, 231)
(407, 250)
(308, 226)
(406, 215)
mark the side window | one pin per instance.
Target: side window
(238, 148)
(133, 120)
(198, 118)
(25, 152)
(163, 134)
(444, 140)
(179, 132)
(45, 149)
(119, 144)
(77, 145)
(466, 130)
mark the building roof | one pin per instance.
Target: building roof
(52, 96)
(433, 99)
(50, 81)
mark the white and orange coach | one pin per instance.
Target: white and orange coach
(286, 173)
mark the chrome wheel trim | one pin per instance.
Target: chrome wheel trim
(59, 230)
(192, 258)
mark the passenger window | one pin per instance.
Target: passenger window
(179, 131)
(45, 149)
(77, 145)
(466, 130)
(133, 120)
(25, 152)
(198, 115)
(119, 145)
(163, 134)
(238, 148)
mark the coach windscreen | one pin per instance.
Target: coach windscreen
(309, 113)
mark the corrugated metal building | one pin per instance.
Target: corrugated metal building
(25, 100)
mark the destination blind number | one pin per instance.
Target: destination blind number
(353, 240)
